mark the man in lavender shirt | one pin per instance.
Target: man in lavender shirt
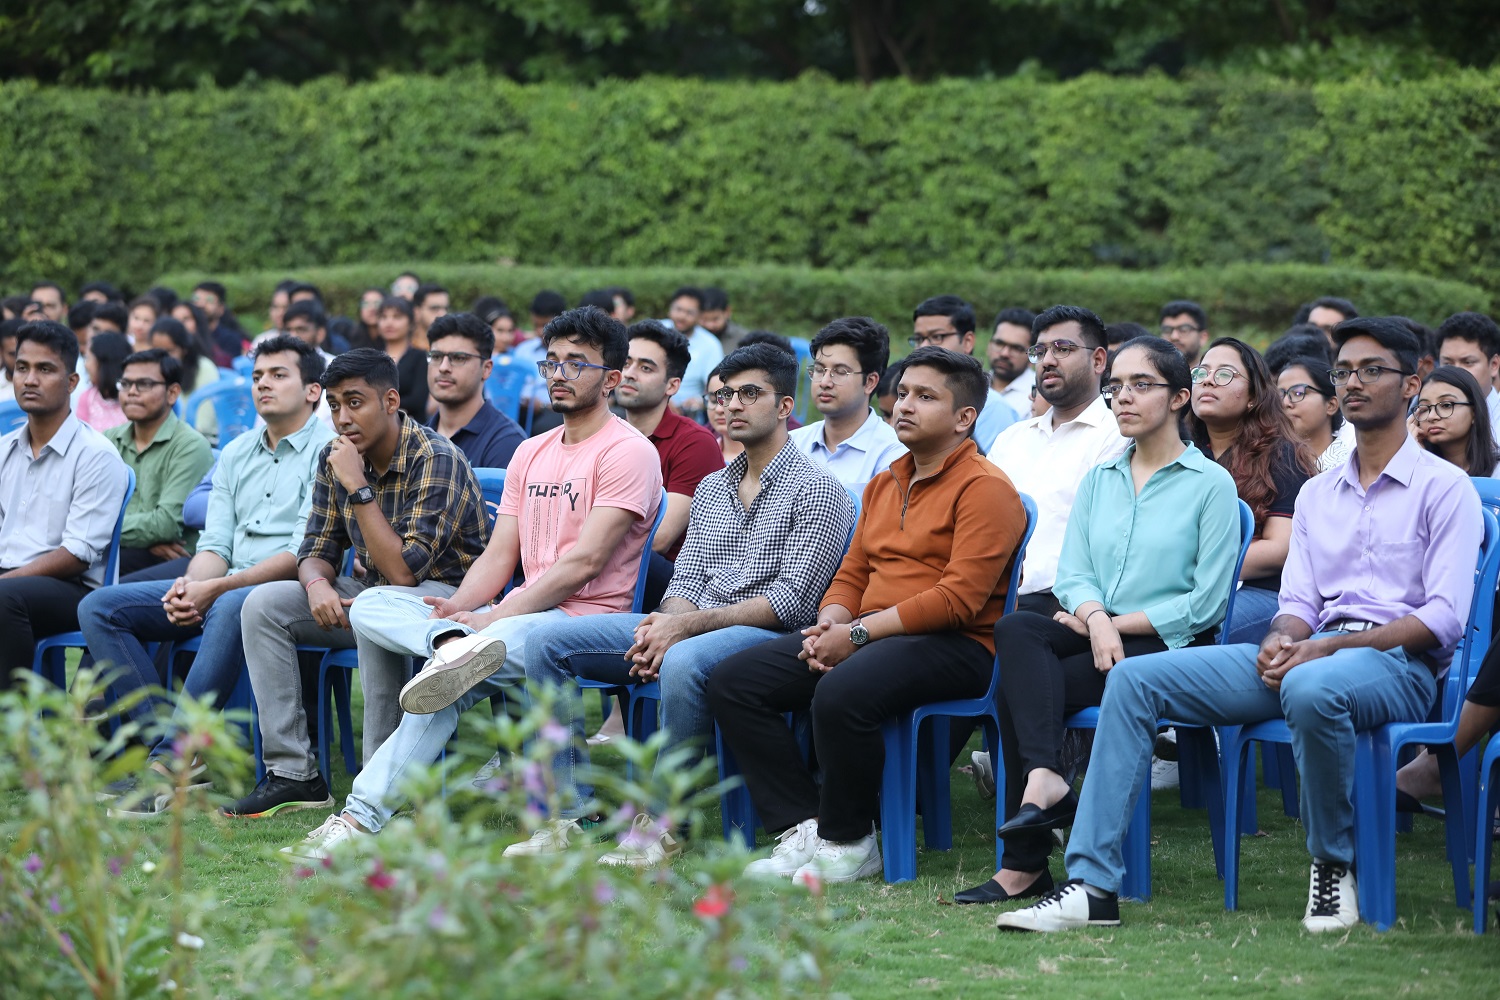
(1374, 597)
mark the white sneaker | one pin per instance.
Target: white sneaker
(487, 771)
(551, 838)
(1164, 775)
(453, 670)
(983, 773)
(795, 847)
(335, 833)
(1068, 907)
(1332, 899)
(645, 845)
(841, 862)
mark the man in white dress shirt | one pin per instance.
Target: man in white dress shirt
(1471, 341)
(1010, 369)
(849, 356)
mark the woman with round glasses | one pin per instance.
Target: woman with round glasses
(1239, 421)
(718, 420)
(1312, 408)
(394, 326)
(1147, 564)
(1453, 421)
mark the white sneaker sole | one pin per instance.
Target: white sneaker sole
(442, 684)
(870, 866)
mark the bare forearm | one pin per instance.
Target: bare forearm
(566, 577)
(1406, 633)
(211, 566)
(1265, 557)
(384, 545)
(755, 612)
(282, 566)
(835, 614)
(883, 623)
(59, 563)
(311, 569)
(677, 606)
(1135, 623)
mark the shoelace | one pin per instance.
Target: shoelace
(1325, 892)
(789, 838)
(1055, 895)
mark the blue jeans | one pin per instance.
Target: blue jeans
(398, 621)
(1254, 610)
(1324, 702)
(594, 646)
(118, 621)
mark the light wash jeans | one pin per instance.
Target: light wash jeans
(1324, 702)
(400, 622)
(594, 646)
(1254, 610)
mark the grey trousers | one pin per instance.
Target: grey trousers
(275, 618)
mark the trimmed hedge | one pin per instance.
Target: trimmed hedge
(1242, 298)
(1141, 173)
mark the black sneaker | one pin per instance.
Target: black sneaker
(117, 789)
(157, 774)
(277, 794)
(141, 806)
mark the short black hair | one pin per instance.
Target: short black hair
(714, 298)
(81, 314)
(413, 275)
(1016, 316)
(16, 304)
(109, 351)
(688, 292)
(1388, 332)
(1090, 325)
(285, 285)
(215, 289)
(595, 328)
(52, 335)
(870, 340)
(376, 368)
(599, 299)
(303, 286)
(673, 344)
(309, 361)
(309, 309)
(109, 291)
(1166, 359)
(959, 312)
(1179, 307)
(1303, 341)
(623, 293)
(1423, 335)
(1475, 326)
(465, 325)
(549, 303)
(396, 302)
(62, 293)
(963, 373)
(490, 308)
(1120, 333)
(770, 337)
(171, 368)
(9, 327)
(112, 312)
(779, 366)
(166, 297)
(1338, 305)
(420, 295)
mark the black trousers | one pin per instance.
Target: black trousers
(33, 608)
(959, 730)
(750, 691)
(1486, 687)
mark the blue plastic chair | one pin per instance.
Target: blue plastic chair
(910, 764)
(242, 697)
(507, 389)
(1376, 757)
(802, 407)
(233, 405)
(12, 417)
(243, 366)
(1198, 757)
(51, 659)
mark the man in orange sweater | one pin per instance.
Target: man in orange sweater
(908, 620)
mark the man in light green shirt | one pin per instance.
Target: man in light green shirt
(257, 512)
(168, 458)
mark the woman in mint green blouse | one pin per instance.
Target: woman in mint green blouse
(1147, 564)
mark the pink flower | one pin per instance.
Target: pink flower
(813, 883)
(553, 732)
(531, 779)
(604, 893)
(33, 864)
(303, 871)
(715, 902)
(54, 904)
(437, 918)
(115, 865)
(380, 879)
(67, 944)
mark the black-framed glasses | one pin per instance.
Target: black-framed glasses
(455, 357)
(1137, 388)
(1367, 374)
(138, 384)
(570, 370)
(748, 394)
(1059, 348)
(1440, 410)
(1297, 393)
(839, 373)
(1219, 376)
(932, 339)
(1167, 330)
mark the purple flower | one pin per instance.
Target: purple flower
(437, 918)
(33, 864)
(553, 732)
(531, 778)
(604, 893)
(115, 865)
(54, 905)
(738, 963)
(67, 943)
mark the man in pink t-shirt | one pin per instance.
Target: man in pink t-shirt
(577, 509)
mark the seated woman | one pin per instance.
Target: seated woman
(99, 404)
(394, 327)
(1147, 564)
(1238, 421)
(1312, 408)
(1453, 420)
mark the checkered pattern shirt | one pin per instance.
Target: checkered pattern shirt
(785, 548)
(430, 497)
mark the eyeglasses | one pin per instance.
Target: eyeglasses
(931, 339)
(456, 358)
(1296, 393)
(1167, 331)
(748, 394)
(1367, 374)
(1438, 411)
(570, 370)
(1113, 389)
(1059, 348)
(138, 384)
(1219, 376)
(1001, 345)
(840, 374)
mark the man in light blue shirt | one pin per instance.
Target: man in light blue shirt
(257, 510)
(707, 351)
(849, 356)
(947, 321)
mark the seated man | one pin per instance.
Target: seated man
(458, 362)
(262, 491)
(61, 485)
(579, 502)
(849, 356)
(1374, 597)
(168, 457)
(907, 621)
(763, 541)
(405, 500)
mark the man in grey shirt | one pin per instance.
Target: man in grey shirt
(61, 486)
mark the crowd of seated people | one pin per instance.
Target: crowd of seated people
(848, 570)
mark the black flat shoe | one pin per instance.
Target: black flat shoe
(989, 891)
(1408, 803)
(1030, 818)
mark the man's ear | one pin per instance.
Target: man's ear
(392, 400)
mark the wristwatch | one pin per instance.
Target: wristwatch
(858, 634)
(363, 495)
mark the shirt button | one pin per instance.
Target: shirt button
(1367, 510)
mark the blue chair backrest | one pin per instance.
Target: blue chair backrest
(1247, 532)
(243, 365)
(11, 416)
(858, 508)
(803, 406)
(233, 404)
(638, 605)
(506, 388)
(1480, 626)
(112, 556)
(1012, 592)
(492, 483)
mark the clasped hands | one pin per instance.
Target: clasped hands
(187, 601)
(653, 637)
(826, 645)
(1099, 629)
(1278, 654)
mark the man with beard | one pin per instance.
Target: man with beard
(1010, 369)
(458, 362)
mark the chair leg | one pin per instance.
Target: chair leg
(1233, 750)
(737, 812)
(933, 785)
(1483, 843)
(1286, 761)
(1198, 746)
(898, 801)
(1375, 830)
(1457, 837)
(997, 767)
(1136, 883)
